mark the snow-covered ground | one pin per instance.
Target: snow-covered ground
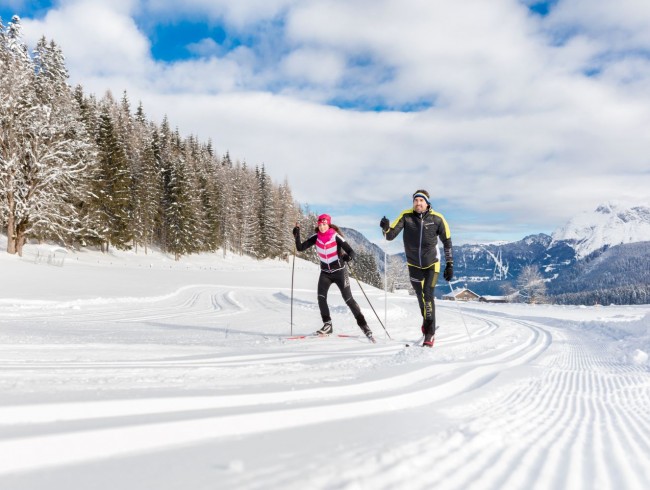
(132, 371)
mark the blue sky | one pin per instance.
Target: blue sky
(515, 115)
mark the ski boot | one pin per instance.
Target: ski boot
(326, 329)
(368, 333)
(429, 331)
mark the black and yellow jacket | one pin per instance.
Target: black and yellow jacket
(421, 232)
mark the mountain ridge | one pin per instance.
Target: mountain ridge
(611, 223)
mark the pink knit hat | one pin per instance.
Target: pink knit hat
(325, 217)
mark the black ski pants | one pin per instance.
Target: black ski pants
(342, 280)
(424, 281)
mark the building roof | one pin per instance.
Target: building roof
(458, 291)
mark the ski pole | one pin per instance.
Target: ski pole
(373, 309)
(385, 288)
(461, 313)
(293, 266)
(292, 269)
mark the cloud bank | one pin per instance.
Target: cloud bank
(514, 121)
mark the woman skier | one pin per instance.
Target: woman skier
(333, 252)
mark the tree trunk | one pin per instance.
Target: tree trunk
(11, 224)
(20, 238)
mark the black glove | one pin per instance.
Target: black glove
(449, 271)
(384, 223)
(296, 231)
(346, 258)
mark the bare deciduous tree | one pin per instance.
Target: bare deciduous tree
(531, 285)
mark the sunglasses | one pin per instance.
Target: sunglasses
(323, 222)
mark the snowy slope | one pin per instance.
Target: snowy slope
(612, 223)
(130, 371)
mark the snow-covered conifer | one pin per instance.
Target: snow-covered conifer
(146, 181)
(364, 268)
(246, 203)
(76, 170)
(270, 239)
(112, 189)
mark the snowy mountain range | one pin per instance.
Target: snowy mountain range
(612, 223)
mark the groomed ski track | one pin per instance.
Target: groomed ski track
(105, 393)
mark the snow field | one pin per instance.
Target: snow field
(182, 376)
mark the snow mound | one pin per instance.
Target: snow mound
(640, 357)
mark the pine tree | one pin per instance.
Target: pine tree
(178, 241)
(365, 268)
(89, 173)
(181, 204)
(307, 223)
(51, 72)
(225, 182)
(270, 242)
(90, 227)
(163, 160)
(288, 214)
(147, 184)
(112, 190)
(209, 195)
(396, 274)
(193, 210)
(246, 204)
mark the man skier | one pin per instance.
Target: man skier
(422, 226)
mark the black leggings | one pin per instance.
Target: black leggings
(424, 281)
(341, 279)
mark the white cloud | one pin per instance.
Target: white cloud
(316, 66)
(212, 75)
(516, 130)
(97, 38)
(624, 24)
(237, 13)
(434, 49)
(205, 47)
(618, 35)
